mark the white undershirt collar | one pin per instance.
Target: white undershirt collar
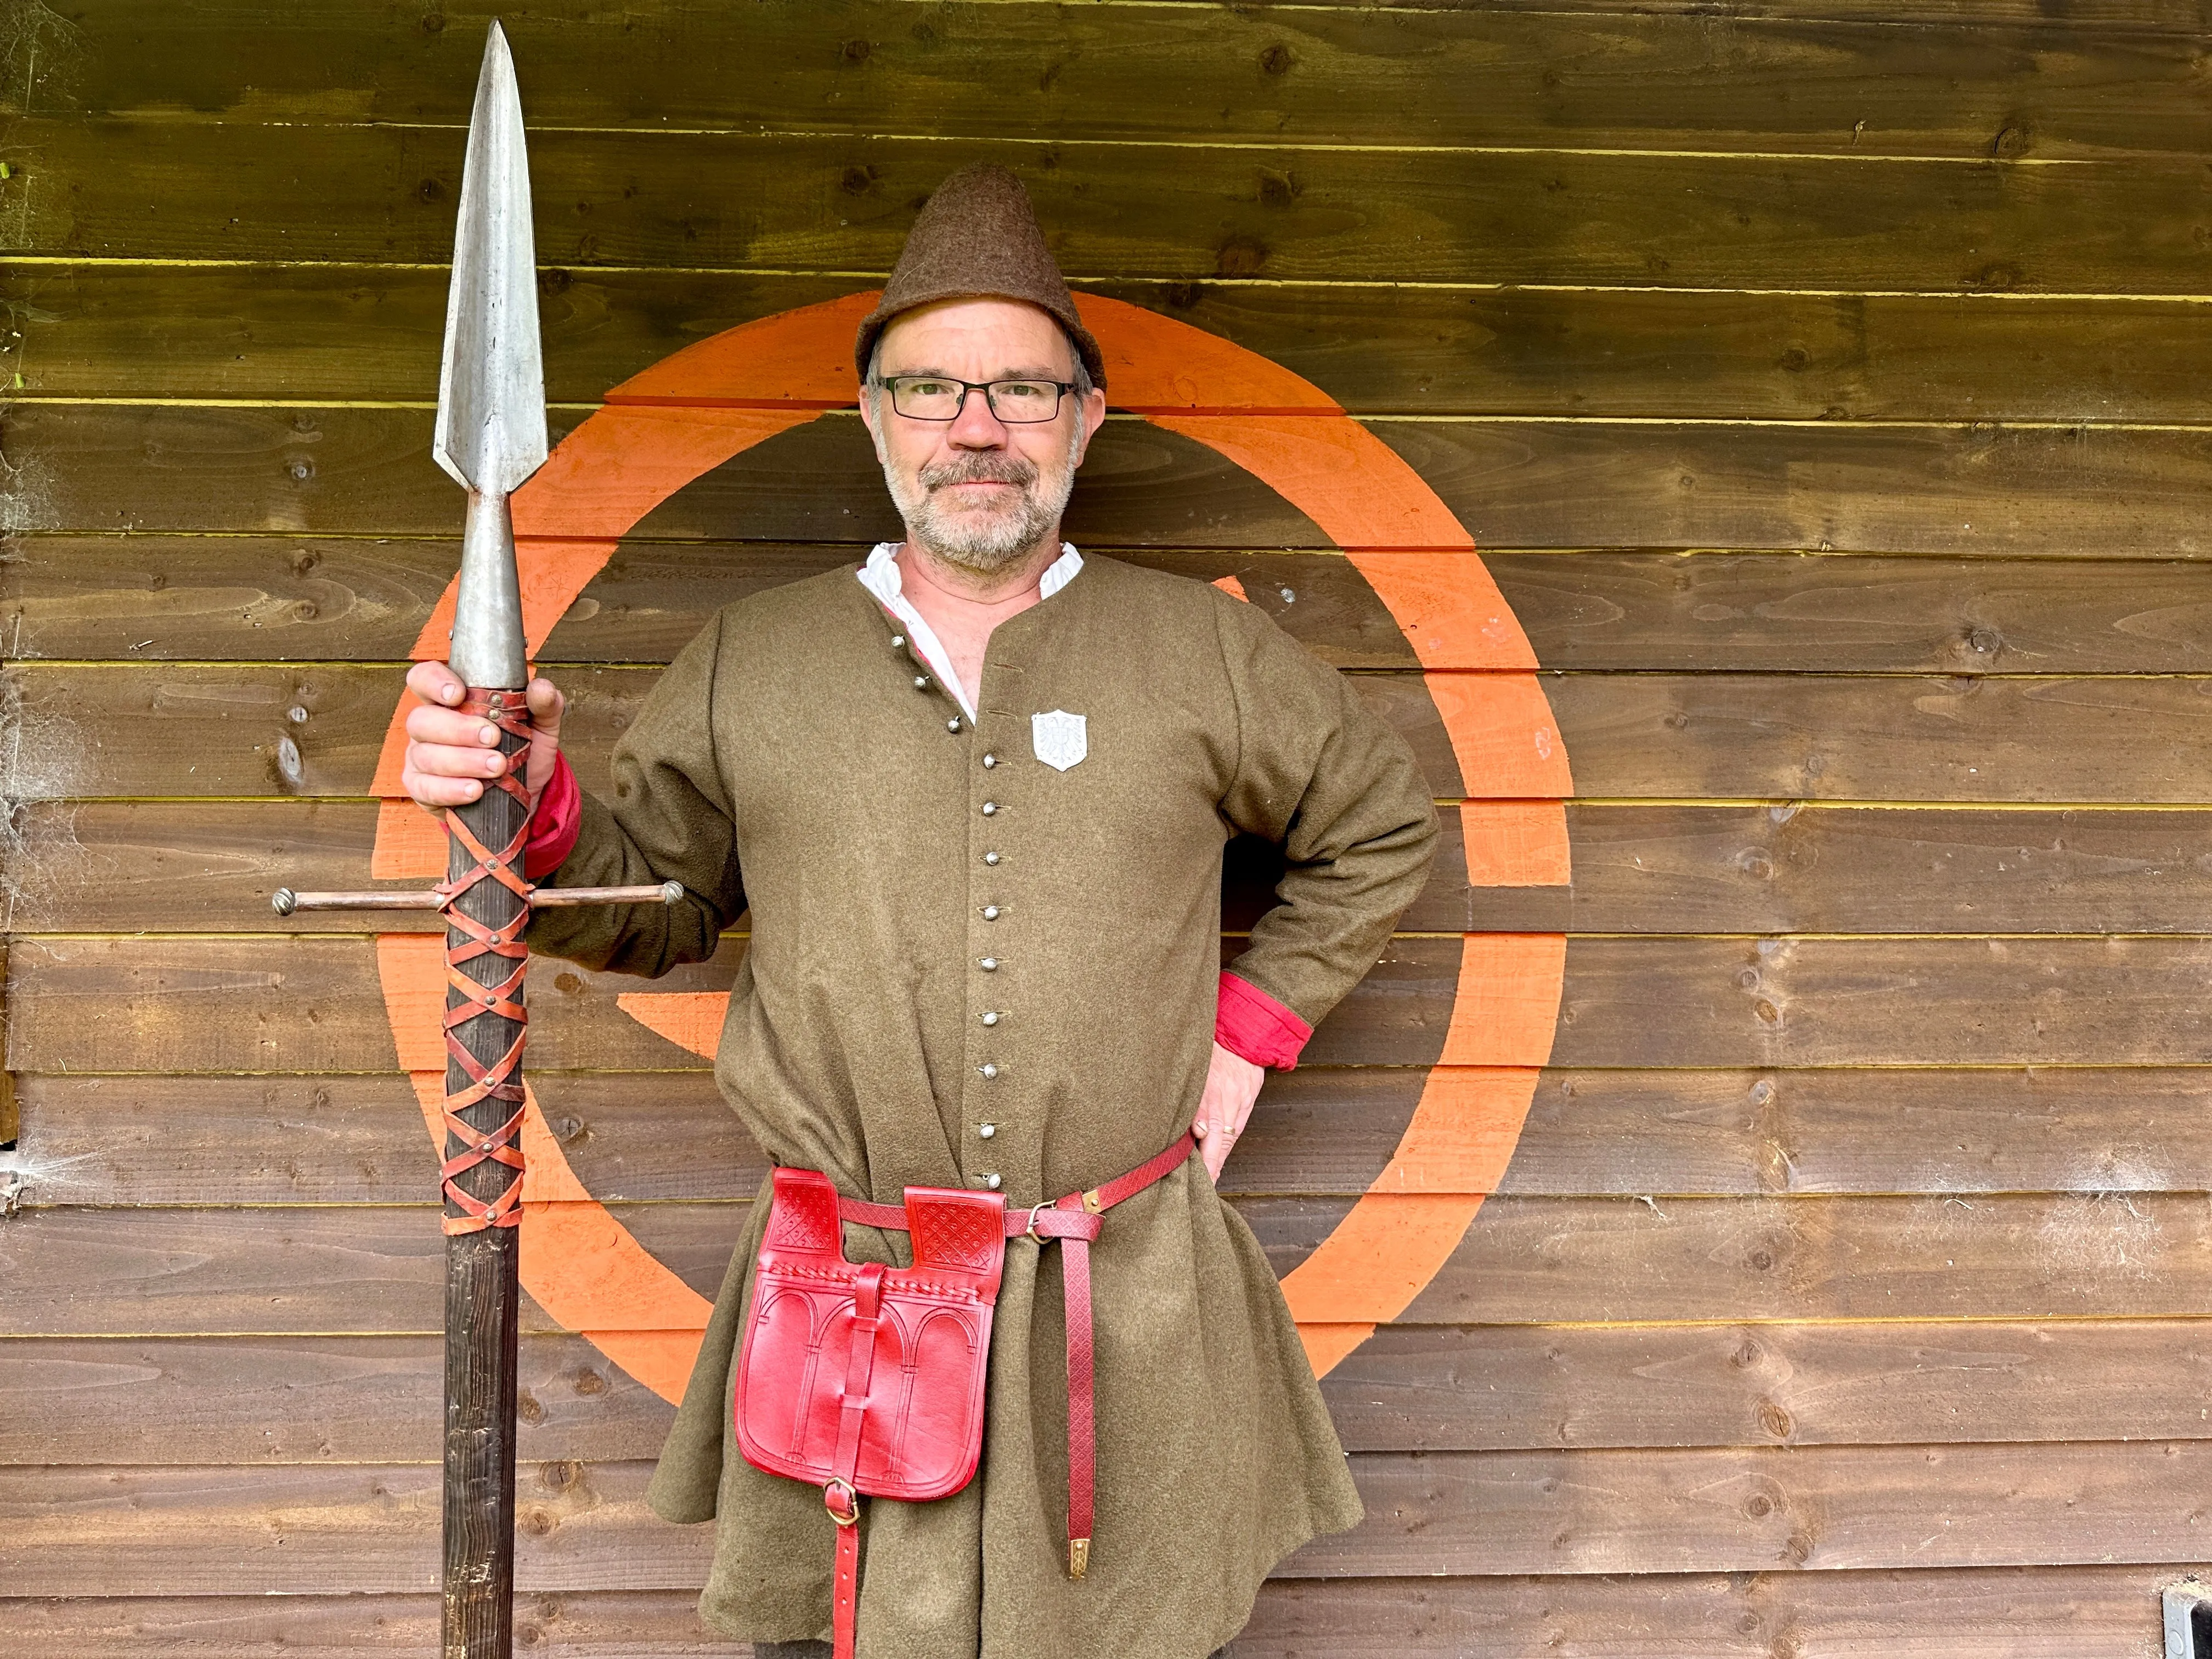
(880, 576)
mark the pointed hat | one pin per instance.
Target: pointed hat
(977, 238)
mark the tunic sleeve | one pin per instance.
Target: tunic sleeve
(670, 819)
(1319, 774)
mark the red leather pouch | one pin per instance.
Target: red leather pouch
(866, 1376)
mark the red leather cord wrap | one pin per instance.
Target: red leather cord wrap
(497, 1081)
(1074, 1220)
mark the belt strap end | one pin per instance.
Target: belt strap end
(1078, 1556)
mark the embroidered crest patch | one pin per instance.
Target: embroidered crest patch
(1060, 739)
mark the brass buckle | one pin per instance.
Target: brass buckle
(852, 1503)
(1030, 1232)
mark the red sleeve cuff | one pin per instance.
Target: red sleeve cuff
(1252, 1024)
(554, 824)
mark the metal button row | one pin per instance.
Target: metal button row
(989, 964)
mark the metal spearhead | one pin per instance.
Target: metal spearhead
(490, 434)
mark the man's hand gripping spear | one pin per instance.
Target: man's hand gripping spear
(491, 437)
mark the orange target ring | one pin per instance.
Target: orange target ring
(695, 410)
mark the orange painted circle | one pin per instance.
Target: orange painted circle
(696, 409)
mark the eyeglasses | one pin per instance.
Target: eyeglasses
(939, 398)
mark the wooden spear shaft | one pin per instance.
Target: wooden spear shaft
(484, 1292)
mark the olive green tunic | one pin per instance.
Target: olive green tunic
(796, 760)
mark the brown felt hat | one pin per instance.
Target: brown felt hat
(976, 239)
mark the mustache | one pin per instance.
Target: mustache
(980, 469)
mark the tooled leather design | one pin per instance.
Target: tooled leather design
(804, 1214)
(916, 1433)
(955, 1234)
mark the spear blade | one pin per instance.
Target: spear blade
(491, 433)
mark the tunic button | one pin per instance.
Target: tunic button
(952, 725)
(897, 639)
(987, 1130)
(989, 1070)
(921, 682)
(989, 964)
(990, 808)
(991, 1018)
(990, 760)
(991, 1182)
(990, 913)
(990, 858)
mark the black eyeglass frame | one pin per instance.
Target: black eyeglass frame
(1061, 388)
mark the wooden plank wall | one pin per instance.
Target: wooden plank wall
(1824, 379)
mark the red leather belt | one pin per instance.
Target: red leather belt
(898, 1413)
(1074, 1221)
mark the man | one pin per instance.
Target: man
(975, 794)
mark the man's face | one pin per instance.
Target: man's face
(977, 491)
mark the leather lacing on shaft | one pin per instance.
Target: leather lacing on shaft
(498, 1081)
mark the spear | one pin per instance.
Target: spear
(490, 436)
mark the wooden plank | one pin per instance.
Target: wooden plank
(291, 1270)
(1893, 1129)
(1959, 738)
(301, 1399)
(644, 1136)
(315, 730)
(347, 333)
(354, 1139)
(1185, 72)
(1789, 868)
(586, 1625)
(2066, 1612)
(143, 466)
(179, 866)
(1954, 490)
(340, 1400)
(1832, 614)
(302, 1529)
(1881, 1002)
(2001, 1612)
(297, 1529)
(2020, 492)
(1430, 1388)
(151, 598)
(313, 1005)
(843, 202)
(2070, 1255)
(184, 865)
(2154, 16)
(1750, 1511)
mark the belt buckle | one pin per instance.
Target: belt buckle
(852, 1502)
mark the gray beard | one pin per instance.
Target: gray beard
(983, 542)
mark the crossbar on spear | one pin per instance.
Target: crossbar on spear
(491, 437)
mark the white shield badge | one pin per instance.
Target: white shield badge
(1060, 739)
